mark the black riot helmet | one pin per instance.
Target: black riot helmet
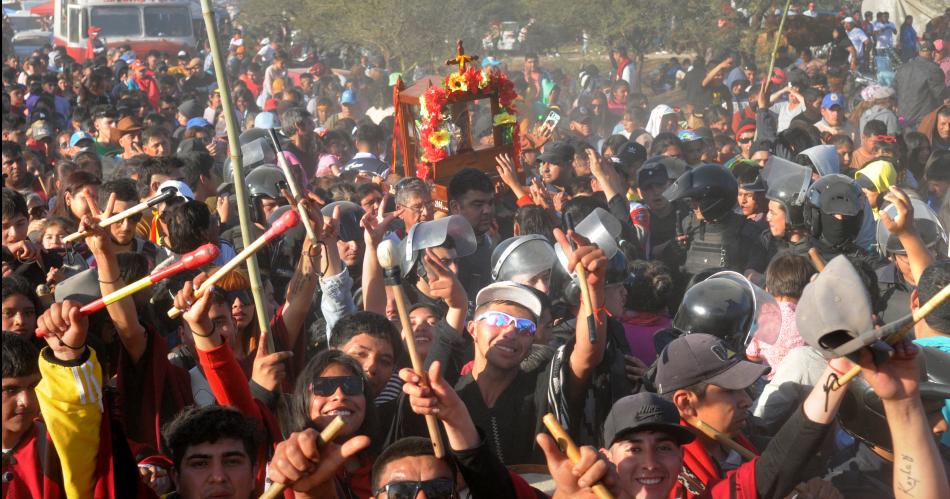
(712, 186)
(832, 195)
(788, 183)
(718, 306)
(862, 412)
(264, 181)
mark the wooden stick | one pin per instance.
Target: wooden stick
(916, 317)
(286, 221)
(326, 436)
(721, 437)
(294, 188)
(816, 259)
(237, 170)
(385, 253)
(570, 448)
(166, 193)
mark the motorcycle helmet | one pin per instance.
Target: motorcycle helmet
(729, 306)
(832, 195)
(712, 186)
(928, 226)
(787, 184)
(264, 181)
(435, 233)
(521, 258)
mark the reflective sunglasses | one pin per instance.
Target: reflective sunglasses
(501, 320)
(325, 386)
(439, 488)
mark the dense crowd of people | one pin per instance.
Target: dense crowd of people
(683, 288)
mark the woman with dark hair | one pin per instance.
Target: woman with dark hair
(602, 121)
(647, 310)
(77, 187)
(619, 91)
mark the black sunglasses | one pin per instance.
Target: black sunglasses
(439, 488)
(745, 140)
(325, 386)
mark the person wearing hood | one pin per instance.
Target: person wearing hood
(877, 103)
(936, 126)
(876, 178)
(662, 119)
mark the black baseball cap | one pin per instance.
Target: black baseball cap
(651, 174)
(631, 153)
(580, 115)
(698, 357)
(644, 411)
(558, 152)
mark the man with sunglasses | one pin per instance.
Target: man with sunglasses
(506, 402)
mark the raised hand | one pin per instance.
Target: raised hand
(897, 378)
(440, 399)
(269, 368)
(591, 258)
(64, 329)
(904, 220)
(443, 283)
(98, 239)
(195, 309)
(506, 171)
(576, 480)
(376, 224)
(300, 464)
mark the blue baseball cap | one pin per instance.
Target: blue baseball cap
(78, 136)
(347, 97)
(197, 122)
(832, 99)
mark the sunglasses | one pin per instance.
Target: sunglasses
(240, 294)
(439, 488)
(325, 386)
(526, 327)
(745, 140)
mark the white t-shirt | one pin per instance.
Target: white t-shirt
(857, 39)
(785, 114)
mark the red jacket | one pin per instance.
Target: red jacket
(700, 476)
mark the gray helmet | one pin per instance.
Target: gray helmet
(824, 158)
(925, 221)
(833, 194)
(433, 234)
(264, 181)
(520, 257)
(788, 183)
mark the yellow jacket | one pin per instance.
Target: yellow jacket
(70, 398)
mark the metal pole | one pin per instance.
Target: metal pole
(234, 149)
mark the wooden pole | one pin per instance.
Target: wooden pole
(234, 148)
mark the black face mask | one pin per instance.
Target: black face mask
(837, 232)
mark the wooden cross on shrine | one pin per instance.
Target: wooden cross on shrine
(461, 58)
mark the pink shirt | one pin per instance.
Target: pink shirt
(788, 338)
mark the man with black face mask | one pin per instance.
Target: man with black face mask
(834, 212)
